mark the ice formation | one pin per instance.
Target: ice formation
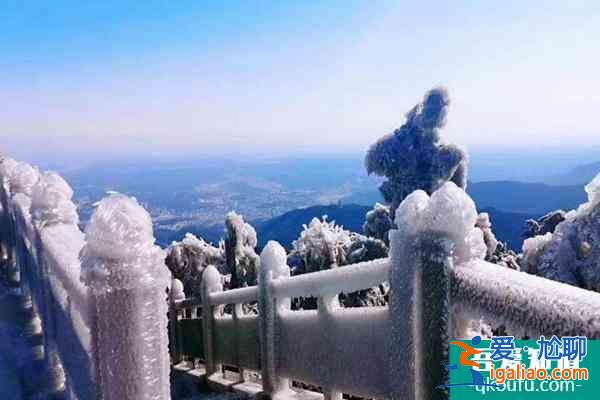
(378, 223)
(120, 250)
(187, 260)
(22, 178)
(7, 164)
(483, 223)
(176, 292)
(450, 211)
(321, 245)
(242, 261)
(572, 253)
(414, 157)
(126, 274)
(51, 201)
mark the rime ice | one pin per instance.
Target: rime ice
(242, 260)
(414, 157)
(378, 222)
(450, 211)
(188, 259)
(51, 201)
(572, 253)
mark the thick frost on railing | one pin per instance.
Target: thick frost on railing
(128, 280)
(106, 338)
(22, 178)
(52, 201)
(524, 302)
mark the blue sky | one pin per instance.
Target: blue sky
(173, 78)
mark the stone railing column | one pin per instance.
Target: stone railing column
(272, 266)
(127, 278)
(175, 294)
(433, 233)
(211, 283)
(420, 316)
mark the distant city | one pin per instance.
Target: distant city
(196, 195)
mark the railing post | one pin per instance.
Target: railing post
(211, 283)
(272, 266)
(127, 278)
(420, 316)
(432, 233)
(326, 307)
(176, 294)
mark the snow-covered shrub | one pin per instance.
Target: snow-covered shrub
(378, 223)
(414, 157)
(241, 258)
(188, 259)
(321, 245)
(572, 253)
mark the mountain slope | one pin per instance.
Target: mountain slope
(528, 198)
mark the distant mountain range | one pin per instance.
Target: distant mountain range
(578, 175)
(279, 195)
(528, 198)
(509, 204)
(286, 228)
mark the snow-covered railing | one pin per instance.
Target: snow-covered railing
(525, 302)
(97, 300)
(438, 281)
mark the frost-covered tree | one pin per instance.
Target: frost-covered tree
(188, 259)
(241, 258)
(323, 245)
(572, 253)
(378, 223)
(414, 157)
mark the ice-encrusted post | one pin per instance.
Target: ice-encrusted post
(432, 234)
(423, 334)
(211, 283)
(272, 266)
(127, 278)
(175, 294)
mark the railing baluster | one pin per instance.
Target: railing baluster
(211, 283)
(272, 267)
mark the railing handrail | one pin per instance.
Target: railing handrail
(525, 301)
(345, 279)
